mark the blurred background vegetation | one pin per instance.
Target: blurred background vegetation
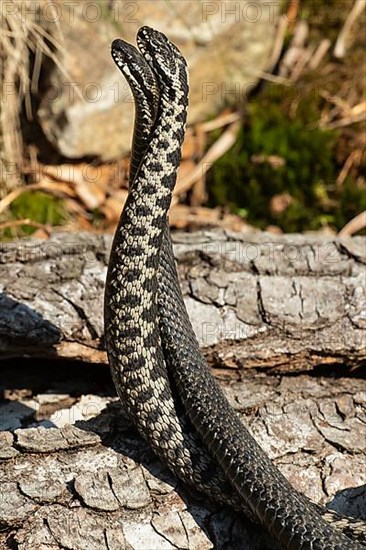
(297, 162)
(306, 188)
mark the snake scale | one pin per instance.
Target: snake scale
(157, 368)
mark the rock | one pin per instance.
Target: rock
(87, 108)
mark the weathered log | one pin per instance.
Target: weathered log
(256, 300)
(97, 486)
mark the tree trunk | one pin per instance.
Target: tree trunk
(256, 300)
(284, 303)
(97, 486)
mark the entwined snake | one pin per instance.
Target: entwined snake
(158, 370)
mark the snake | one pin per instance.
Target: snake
(159, 372)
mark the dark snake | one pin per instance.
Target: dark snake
(160, 375)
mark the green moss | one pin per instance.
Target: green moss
(38, 207)
(308, 174)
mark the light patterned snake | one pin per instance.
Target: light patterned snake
(158, 370)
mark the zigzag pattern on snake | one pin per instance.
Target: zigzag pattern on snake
(156, 365)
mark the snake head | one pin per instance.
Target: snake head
(126, 57)
(137, 72)
(164, 57)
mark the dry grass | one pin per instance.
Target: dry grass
(24, 41)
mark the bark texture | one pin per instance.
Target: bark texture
(289, 302)
(74, 474)
(97, 486)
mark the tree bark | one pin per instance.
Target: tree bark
(97, 486)
(284, 303)
(256, 300)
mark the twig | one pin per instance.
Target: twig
(296, 47)
(52, 188)
(353, 158)
(25, 221)
(344, 122)
(340, 46)
(216, 151)
(353, 226)
(319, 53)
(336, 100)
(278, 43)
(219, 122)
(264, 75)
(301, 62)
(292, 11)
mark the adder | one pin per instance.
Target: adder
(158, 370)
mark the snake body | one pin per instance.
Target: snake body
(198, 469)
(157, 368)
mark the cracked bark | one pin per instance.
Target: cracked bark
(97, 486)
(256, 300)
(284, 303)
